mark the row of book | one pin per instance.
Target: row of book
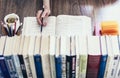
(60, 57)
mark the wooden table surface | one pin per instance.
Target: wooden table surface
(29, 7)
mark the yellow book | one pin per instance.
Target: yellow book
(109, 28)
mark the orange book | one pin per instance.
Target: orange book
(109, 28)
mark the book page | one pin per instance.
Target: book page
(50, 28)
(73, 25)
(31, 26)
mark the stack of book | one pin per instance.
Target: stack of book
(65, 48)
(59, 56)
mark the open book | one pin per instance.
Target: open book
(60, 25)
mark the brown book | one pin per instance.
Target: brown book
(94, 56)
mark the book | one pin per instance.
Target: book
(37, 57)
(20, 56)
(58, 60)
(94, 56)
(3, 66)
(26, 56)
(15, 52)
(109, 28)
(104, 54)
(77, 41)
(52, 56)
(118, 67)
(60, 25)
(72, 57)
(64, 52)
(116, 53)
(31, 56)
(113, 56)
(1, 74)
(83, 56)
(9, 57)
(44, 52)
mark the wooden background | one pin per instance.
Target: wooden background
(29, 7)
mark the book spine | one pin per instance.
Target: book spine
(63, 58)
(46, 65)
(22, 65)
(93, 66)
(107, 66)
(58, 65)
(73, 64)
(77, 65)
(27, 65)
(32, 66)
(118, 70)
(11, 66)
(102, 66)
(38, 66)
(17, 65)
(83, 66)
(67, 66)
(113, 66)
(4, 68)
(1, 73)
(52, 65)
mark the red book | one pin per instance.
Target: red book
(94, 56)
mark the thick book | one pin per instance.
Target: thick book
(94, 56)
(60, 25)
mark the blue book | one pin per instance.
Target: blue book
(58, 66)
(104, 55)
(102, 66)
(38, 66)
(4, 68)
(1, 73)
(11, 66)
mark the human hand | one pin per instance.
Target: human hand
(43, 15)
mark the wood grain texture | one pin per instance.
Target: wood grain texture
(30, 7)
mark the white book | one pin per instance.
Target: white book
(2, 44)
(44, 52)
(31, 56)
(83, 56)
(26, 57)
(52, 56)
(15, 52)
(60, 25)
(113, 56)
(77, 55)
(64, 50)
(115, 45)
